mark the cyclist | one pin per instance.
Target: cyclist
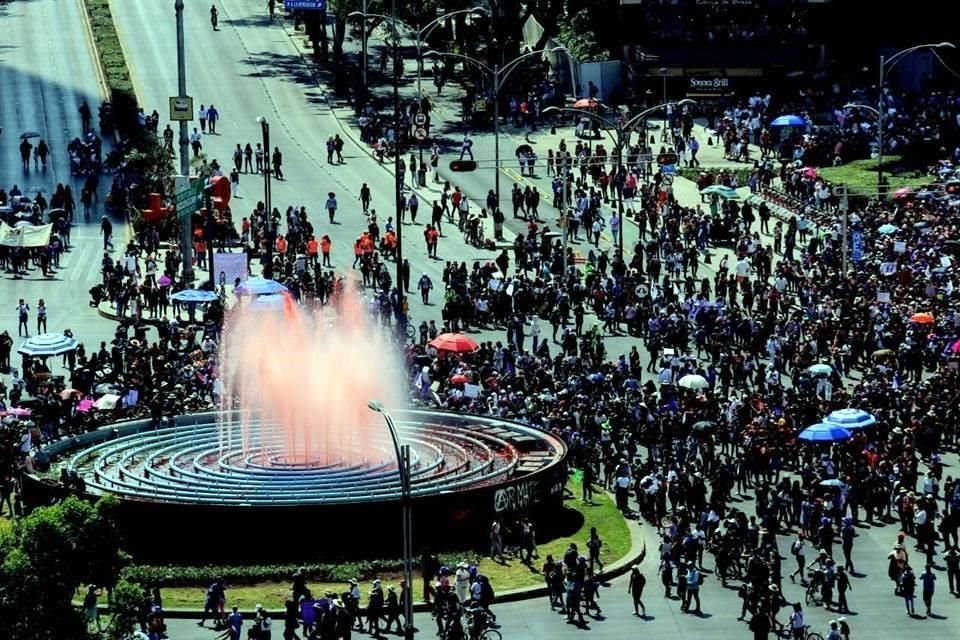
(213, 16)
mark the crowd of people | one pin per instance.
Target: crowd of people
(879, 314)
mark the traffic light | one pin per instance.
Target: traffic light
(463, 165)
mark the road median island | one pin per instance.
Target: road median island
(113, 63)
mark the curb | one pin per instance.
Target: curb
(92, 43)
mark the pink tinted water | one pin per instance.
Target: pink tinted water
(303, 382)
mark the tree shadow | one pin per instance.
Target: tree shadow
(266, 64)
(255, 20)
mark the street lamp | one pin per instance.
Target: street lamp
(270, 230)
(186, 237)
(421, 35)
(885, 64)
(500, 75)
(619, 138)
(403, 469)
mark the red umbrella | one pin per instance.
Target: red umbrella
(809, 172)
(459, 379)
(585, 103)
(454, 343)
(922, 318)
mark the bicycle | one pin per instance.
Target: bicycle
(813, 596)
(478, 624)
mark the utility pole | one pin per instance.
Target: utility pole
(398, 183)
(186, 238)
(845, 222)
(270, 226)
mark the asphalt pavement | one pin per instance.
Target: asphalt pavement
(47, 70)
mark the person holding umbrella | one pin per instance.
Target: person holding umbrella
(25, 149)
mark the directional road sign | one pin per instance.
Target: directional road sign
(305, 5)
(188, 201)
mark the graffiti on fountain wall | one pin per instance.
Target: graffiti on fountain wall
(526, 494)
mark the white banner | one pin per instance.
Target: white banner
(26, 236)
(229, 267)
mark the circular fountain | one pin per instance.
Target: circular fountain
(296, 465)
(178, 484)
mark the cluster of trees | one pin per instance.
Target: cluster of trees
(583, 25)
(45, 560)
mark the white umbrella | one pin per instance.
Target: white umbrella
(47, 344)
(259, 287)
(107, 402)
(693, 381)
(194, 295)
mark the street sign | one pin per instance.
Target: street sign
(420, 119)
(305, 5)
(181, 108)
(188, 201)
(420, 134)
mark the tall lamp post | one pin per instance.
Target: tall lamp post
(186, 239)
(886, 64)
(402, 452)
(421, 35)
(499, 75)
(271, 227)
(618, 135)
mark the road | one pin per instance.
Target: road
(47, 71)
(249, 69)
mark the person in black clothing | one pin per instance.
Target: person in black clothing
(85, 115)
(277, 163)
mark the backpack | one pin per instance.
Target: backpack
(795, 548)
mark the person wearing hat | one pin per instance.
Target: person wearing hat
(375, 609)
(635, 588)
(693, 579)
(462, 584)
(392, 610)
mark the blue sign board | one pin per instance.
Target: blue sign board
(305, 5)
(857, 246)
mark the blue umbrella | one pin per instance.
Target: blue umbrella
(824, 432)
(259, 287)
(47, 344)
(788, 121)
(194, 295)
(888, 229)
(851, 419)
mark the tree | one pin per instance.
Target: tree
(46, 557)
